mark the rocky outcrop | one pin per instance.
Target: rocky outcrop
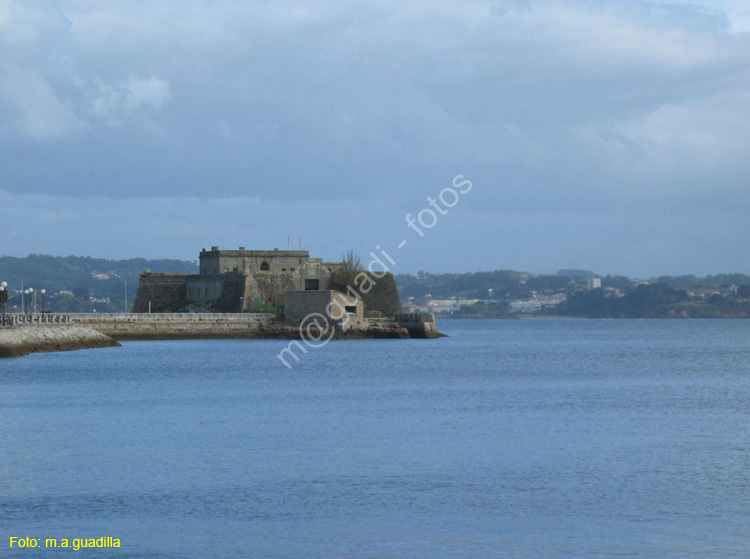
(39, 338)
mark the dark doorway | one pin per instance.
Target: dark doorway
(312, 285)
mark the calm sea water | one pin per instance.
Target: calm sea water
(548, 439)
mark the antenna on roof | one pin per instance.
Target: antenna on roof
(287, 242)
(300, 242)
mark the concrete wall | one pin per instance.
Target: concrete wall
(178, 326)
(301, 304)
(419, 325)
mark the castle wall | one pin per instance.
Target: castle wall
(164, 291)
(383, 296)
(232, 294)
(265, 288)
(217, 261)
(239, 291)
(204, 289)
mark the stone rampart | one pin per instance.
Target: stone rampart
(235, 292)
(383, 297)
(268, 288)
(163, 291)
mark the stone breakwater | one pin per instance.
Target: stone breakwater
(42, 333)
(185, 326)
(40, 338)
(178, 326)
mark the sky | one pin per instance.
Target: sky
(602, 135)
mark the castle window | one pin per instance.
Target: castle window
(264, 267)
(351, 310)
(312, 285)
(283, 269)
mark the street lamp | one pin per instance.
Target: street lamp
(43, 291)
(126, 294)
(22, 291)
(3, 299)
(27, 310)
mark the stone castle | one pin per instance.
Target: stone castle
(251, 280)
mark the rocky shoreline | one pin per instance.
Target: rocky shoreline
(42, 338)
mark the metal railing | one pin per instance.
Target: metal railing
(238, 317)
(14, 319)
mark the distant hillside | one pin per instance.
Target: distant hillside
(97, 284)
(91, 280)
(510, 284)
(500, 284)
(657, 300)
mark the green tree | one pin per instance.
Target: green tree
(345, 275)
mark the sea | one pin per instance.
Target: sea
(508, 438)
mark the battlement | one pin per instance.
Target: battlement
(275, 253)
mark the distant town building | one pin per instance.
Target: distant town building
(525, 306)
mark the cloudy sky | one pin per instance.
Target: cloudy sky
(606, 135)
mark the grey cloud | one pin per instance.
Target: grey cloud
(33, 108)
(403, 86)
(577, 108)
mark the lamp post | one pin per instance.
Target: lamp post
(43, 291)
(126, 294)
(22, 291)
(3, 299)
(27, 291)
